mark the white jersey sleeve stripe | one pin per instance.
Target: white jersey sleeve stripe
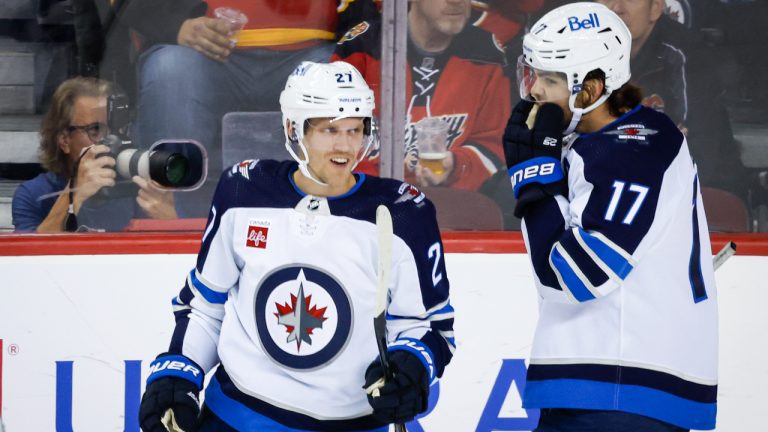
(618, 260)
(211, 296)
(444, 313)
(573, 281)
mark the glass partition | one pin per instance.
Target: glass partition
(194, 92)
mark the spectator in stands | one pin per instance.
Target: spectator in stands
(675, 68)
(64, 198)
(195, 70)
(503, 18)
(455, 73)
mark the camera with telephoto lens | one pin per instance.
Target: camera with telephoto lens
(177, 165)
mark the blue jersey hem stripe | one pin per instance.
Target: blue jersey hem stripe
(626, 375)
(236, 414)
(234, 407)
(585, 394)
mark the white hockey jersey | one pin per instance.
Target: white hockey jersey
(628, 311)
(283, 295)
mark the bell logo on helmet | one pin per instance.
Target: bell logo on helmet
(587, 23)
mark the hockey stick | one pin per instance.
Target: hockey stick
(384, 228)
(725, 253)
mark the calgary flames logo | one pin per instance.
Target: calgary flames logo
(354, 32)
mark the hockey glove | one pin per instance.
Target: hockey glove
(404, 396)
(174, 384)
(533, 155)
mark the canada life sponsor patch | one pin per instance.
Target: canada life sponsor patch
(636, 132)
(303, 316)
(258, 232)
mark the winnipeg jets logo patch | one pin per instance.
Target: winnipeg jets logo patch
(303, 316)
(300, 317)
(244, 168)
(637, 132)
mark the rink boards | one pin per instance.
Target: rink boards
(78, 330)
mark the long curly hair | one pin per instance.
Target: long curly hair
(59, 116)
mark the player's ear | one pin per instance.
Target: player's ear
(657, 8)
(591, 91)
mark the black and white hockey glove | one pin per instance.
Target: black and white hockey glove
(170, 401)
(404, 396)
(533, 155)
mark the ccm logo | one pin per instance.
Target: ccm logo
(587, 23)
(532, 171)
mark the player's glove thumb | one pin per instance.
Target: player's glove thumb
(173, 385)
(533, 154)
(404, 396)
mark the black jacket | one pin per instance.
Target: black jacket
(677, 71)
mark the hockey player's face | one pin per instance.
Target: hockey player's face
(446, 16)
(333, 148)
(549, 87)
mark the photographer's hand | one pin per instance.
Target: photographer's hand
(209, 36)
(93, 173)
(156, 203)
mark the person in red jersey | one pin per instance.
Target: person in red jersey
(454, 73)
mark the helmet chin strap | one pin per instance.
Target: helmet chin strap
(579, 112)
(298, 139)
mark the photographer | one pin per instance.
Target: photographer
(71, 149)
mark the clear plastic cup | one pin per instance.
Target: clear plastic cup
(236, 19)
(432, 142)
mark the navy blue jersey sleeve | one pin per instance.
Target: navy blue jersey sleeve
(420, 315)
(618, 179)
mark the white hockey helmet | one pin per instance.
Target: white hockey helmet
(324, 90)
(575, 39)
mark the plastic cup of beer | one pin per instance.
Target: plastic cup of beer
(236, 19)
(432, 140)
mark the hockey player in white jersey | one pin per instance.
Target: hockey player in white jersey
(615, 229)
(281, 301)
